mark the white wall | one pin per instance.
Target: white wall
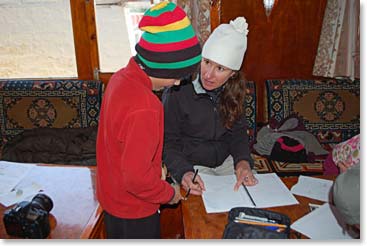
(113, 41)
(36, 39)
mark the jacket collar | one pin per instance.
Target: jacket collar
(199, 90)
(197, 86)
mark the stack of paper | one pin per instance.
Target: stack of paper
(315, 188)
(220, 196)
(11, 174)
(324, 223)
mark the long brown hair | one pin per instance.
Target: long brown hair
(232, 100)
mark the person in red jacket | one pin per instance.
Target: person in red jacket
(130, 132)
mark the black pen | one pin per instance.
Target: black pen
(193, 180)
(248, 193)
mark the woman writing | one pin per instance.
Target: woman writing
(205, 124)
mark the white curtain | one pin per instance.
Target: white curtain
(338, 51)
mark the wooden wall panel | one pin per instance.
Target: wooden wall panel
(85, 37)
(282, 46)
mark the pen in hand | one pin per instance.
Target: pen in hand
(193, 180)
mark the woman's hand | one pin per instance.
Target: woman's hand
(244, 175)
(196, 187)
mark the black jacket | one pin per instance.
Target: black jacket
(194, 133)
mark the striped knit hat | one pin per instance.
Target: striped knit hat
(168, 48)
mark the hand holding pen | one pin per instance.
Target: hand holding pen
(192, 183)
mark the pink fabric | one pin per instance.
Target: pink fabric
(329, 166)
(295, 148)
(346, 154)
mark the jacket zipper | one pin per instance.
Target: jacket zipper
(215, 116)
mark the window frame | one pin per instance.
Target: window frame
(85, 41)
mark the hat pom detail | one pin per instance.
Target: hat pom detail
(240, 25)
(227, 44)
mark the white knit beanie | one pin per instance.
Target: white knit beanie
(227, 44)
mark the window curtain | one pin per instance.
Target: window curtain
(199, 14)
(338, 52)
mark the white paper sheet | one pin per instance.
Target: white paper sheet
(220, 196)
(315, 188)
(19, 194)
(11, 173)
(324, 223)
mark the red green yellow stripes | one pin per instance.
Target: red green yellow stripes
(178, 25)
(169, 37)
(169, 46)
(164, 19)
(161, 8)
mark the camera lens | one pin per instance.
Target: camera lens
(42, 201)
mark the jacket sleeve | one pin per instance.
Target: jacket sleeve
(239, 145)
(140, 141)
(173, 155)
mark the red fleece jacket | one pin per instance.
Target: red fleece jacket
(129, 147)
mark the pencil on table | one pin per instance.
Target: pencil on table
(259, 223)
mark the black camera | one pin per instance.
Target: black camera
(29, 219)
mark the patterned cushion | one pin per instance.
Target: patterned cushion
(250, 110)
(263, 164)
(329, 108)
(27, 104)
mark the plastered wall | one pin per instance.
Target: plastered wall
(36, 39)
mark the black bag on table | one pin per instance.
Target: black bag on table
(235, 230)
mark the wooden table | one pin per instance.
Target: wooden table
(76, 212)
(200, 225)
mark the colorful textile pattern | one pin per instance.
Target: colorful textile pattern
(284, 169)
(48, 104)
(329, 108)
(250, 110)
(168, 48)
(347, 152)
(261, 164)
